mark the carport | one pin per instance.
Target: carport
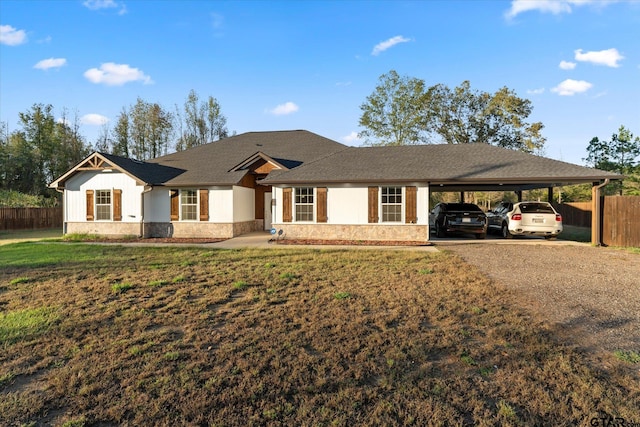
(598, 180)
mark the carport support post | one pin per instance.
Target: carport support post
(519, 194)
(596, 212)
(550, 194)
(462, 197)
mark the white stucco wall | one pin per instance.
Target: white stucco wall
(77, 185)
(221, 204)
(348, 204)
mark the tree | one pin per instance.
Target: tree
(201, 123)
(216, 120)
(401, 111)
(120, 135)
(619, 155)
(149, 130)
(394, 113)
(463, 115)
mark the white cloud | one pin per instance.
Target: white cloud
(566, 65)
(570, 87)
(105, 4)
(538, 91)
(113, 74)
(352, 137)
(608, 57)
(45, 64)
(94, 119)
(554, 7)
(382, 46)
(12, 36)
(284, 109)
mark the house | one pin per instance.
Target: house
(299, 182)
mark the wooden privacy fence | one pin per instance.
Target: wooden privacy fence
(30, 218)
(621, 219)
(575, 213)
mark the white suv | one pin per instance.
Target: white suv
(525, 218)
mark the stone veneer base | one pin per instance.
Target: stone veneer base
(400, 232)
(164, 229)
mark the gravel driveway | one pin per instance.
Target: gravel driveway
(592, 295)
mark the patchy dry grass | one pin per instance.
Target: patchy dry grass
(283, 337)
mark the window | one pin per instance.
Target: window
(188, 205)
(103, 205)
(391, 204)
(304, 204)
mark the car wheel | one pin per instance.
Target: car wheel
(505, 231)
(439, 230)
(481, 236)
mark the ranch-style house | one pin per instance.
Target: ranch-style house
(308, 186)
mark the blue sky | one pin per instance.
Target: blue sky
(310, 65)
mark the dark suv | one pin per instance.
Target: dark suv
(458, 217)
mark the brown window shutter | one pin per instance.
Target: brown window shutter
(287, 211)
(89, 205)
(321, 204)
(117, 205)
(175, 205)
(411, 205)
(373, 204)
(204, 205)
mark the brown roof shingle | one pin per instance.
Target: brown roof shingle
(442, 163)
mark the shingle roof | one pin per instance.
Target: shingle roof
(149, 173)
(211, 164)
(313, 159)
(442, 164)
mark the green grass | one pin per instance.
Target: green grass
(576, 234)
(240, 284)
(19, 280)
(119, 288)
(629, 356)
(38, 234)
(25, 323)
(293, 348)
(342, 295)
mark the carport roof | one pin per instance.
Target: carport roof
(453, 167)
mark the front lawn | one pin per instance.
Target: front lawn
(104, 335)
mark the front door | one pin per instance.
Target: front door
(267, 211)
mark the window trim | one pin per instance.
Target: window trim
(295, 204)
(402, 204)
(196, 213)
(96, 197)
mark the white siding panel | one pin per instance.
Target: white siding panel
(244, 202)
(347, 205)
(221, 204)
(77, 186)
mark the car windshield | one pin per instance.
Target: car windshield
(466, 207)
(536, 208)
